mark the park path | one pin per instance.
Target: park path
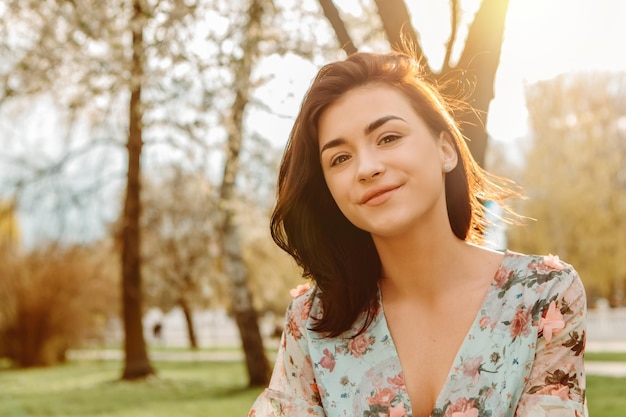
(614, 369)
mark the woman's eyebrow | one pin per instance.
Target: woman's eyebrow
(332, 144)
(368, 129)
(379, 122)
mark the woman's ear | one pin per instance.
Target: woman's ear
(449, 156)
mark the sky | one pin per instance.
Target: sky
(542, 39)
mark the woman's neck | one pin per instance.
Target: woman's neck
(421, 265)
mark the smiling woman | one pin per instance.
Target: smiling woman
(379, 201)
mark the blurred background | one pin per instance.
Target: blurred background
(139, 146)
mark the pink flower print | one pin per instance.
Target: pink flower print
(551, 322)
(359, 345)
(548, 264)
(398, 411)
(484, 322)
(558, 390)
(306, 375)
(306, 309)
(382, 396)
(462, 407)
(502, 276)
(521, 322)
(471, 367)
(293, 328)
(299, 290)
(328, 361)
(553, 262)
(397, 381)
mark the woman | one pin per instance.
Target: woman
(379, 203)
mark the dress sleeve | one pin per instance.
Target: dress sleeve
(556, 384)
(292, 390)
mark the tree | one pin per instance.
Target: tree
(136, 362)
(477, 64)
(143, 73)
(575, 178)
(179, 251)
(91, 56)
(234, 266)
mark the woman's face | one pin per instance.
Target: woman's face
(382, 164)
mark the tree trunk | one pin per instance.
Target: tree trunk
(246, 317)
(398, 28)
(191, 332)
(136, 362)
(480, 60)
(241, 298)
(332, 15)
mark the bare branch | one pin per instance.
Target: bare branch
(332, 14)
(400, 32)
(454, 27)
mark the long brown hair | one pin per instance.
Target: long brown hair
(306, 223)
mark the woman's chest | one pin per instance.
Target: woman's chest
(364, 376)
(426, 348)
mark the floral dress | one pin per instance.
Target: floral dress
(522, 356)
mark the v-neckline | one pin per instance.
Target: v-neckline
(493, 286)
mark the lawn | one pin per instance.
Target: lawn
(190, 389)
(89, 389)
(606, 356)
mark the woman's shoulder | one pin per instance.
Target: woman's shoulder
(536, 263)
(545, 274)
(305, 302)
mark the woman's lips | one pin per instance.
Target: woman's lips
(378, 196)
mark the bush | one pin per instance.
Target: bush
(52, 299)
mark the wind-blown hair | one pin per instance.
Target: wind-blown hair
(306, 222)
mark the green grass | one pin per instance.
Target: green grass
(606, 396)
(91, 389)
(190, 389)
(605, 356)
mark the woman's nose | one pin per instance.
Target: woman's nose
(369, 167)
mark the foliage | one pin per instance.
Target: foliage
(87, 389)
(272, 273)
(54, 298)
(575, 178)
(178, 225)
(154, 71)
(180, 257)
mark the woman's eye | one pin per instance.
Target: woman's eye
(339, 160)
(388, 139)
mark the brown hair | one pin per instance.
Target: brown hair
(306, 222)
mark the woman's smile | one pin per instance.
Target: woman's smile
(378, 195)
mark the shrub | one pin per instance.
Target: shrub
(53, 298)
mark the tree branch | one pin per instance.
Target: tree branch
(394, 14)
(332, 15)
(454, 26)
